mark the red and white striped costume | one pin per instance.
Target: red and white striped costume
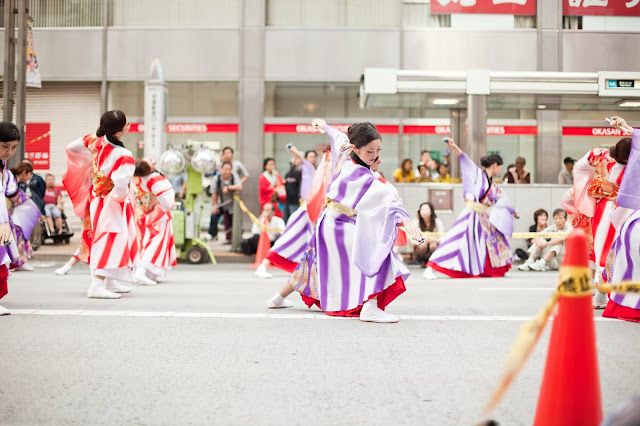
(592, 201)
(155, 197)
(97, 180)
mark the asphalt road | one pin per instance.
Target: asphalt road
(203, 349)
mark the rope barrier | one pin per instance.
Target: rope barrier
(515, 235)
(253, 218)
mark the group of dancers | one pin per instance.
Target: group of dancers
(339, 246)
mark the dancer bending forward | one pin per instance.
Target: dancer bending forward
(349, 268)
(477, 245)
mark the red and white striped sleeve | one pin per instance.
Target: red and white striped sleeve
(160, 186)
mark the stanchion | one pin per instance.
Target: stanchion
(236, 228)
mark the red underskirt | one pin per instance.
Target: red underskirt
(613, 310)
(489, 271)
(4, 278)
(385, 297)
(280, 262)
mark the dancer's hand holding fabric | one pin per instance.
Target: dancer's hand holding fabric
(5, 233)
(620, 123)
(319, 124)
(452, 144)
(414, 232)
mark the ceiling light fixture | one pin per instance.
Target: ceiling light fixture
(445, 101)
(542, 106)
(630, 104)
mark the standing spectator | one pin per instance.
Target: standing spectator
(23, 174)
(223, 187)
(565, 177)
(423, 176)
(37, 187)
(53, 205)
(237, 167)
(518, 174)
(405, 172)
(179, 185)
(274, 224)
(292, 181)
(312, 157)
(443, 174)
(271, 186)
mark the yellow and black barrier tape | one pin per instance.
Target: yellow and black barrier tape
(573, 282)
(515, 235)
(622, 288)
(253, 218)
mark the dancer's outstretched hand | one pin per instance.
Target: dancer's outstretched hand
(413, 232)
(319, 124)
(452, 144)
(620, 123)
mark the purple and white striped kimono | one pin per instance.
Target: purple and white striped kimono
(23, 217)
(350, 259)
(477, 243)
(623, 263)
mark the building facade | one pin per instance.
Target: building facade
(251, 74)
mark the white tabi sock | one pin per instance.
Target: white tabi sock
(277, 302)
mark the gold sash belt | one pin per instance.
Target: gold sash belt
(475, 206)
(601, 188)
(341, 208)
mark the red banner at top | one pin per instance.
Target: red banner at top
(505, 7)
(601, 7)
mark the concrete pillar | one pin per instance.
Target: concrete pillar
(8, 82)
(21, 80)
(548, 146)
(251, 98)
(459, 134)
(477, 125)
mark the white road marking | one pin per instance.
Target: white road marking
(516, 288)
(77, 312)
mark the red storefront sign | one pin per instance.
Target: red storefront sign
(491, 130)
(309, 129)
(190, 128)
(601, 7)
(505, 7)
(592, 131)
(37, 146)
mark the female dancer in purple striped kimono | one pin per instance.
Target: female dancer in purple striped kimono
(624, 259)
(476, 245)
(349, 268)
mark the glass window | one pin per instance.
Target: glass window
(171, 13)
(66, 13)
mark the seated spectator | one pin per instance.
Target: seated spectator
(424, 159)
(443, 174)
(222, 189)
(540, 218)
(427, 221)
(275, 225)
(565, 177)
(432, 170)
(544, 255)
(53, 205)
(422, 174)
(405, 172)
(518, 174)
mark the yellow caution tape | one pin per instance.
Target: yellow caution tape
(515, 235)
(574, 282)
(622, 288)
(253, 218)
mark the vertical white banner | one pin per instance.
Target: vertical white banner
(155, 113)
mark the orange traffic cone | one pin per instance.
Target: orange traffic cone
(570, 391)
(264, 245)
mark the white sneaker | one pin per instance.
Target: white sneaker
(600, 300)
(25, 267)
(428, 274)
(278, 302)
(99, 291)
(4, 311)
(538, 266)
(371, 313)
(526, 265)
(116, 287)
(64, 270)
(262, 273)
(141, 278)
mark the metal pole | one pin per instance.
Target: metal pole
(21, 77)
(477, 118)
(236, 228)
(458, 126)
(8, 83)
(103, 85)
